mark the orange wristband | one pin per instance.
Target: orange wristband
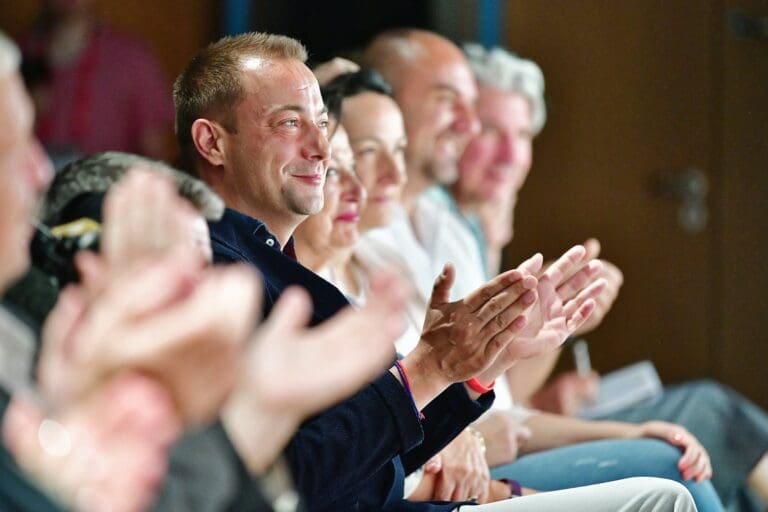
(475, 385)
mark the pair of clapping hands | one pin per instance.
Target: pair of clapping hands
(519, 314)
(153, 341)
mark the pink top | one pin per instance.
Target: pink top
(107, 99)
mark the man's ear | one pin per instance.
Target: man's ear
(208, 140)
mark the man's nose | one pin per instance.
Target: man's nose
(466, 119)
(316, 146)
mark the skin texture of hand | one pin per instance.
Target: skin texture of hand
(503, 437)
(550, 321)
(695, 463)
(147, 302)
(567, 394)
(463, 338)
(604, 300)
(281, 379)
(106, 452)
(143, 217)
(329, 70)
(187, 334)
(464, 473)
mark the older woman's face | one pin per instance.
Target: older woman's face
(496, 162)
(336, 224)
(377, 136)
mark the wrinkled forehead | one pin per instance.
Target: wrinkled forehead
(280, 82)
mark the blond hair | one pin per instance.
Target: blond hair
(211, 85)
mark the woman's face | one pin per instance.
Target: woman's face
(335, 226)
(377, 136)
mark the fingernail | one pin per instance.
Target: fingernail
(529, 297)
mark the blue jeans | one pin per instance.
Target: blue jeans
(604, 461)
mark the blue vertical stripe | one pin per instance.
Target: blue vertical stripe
(236, 17)
(489, 18)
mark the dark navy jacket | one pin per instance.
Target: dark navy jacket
(355, 455)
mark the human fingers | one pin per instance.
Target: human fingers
(327, 71)
(445, 486)
(532, 265)
(93, 272)
(434, 465)
(590, 292)
(612, 273)
(578, 281)
(566, 265)
(137, 216)
(292, 311)
(509, 321)
(54, 369)
(692, 450)
(441, 290)
(149, 285)
(489, 290)
(700, 467)
(592, 247)
(581, 316)
(503, 299)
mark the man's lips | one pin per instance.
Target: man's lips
(310, 179)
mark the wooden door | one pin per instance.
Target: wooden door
(635, 89)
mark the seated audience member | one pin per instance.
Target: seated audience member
(493, 167)
(375, 129)
(121, 358)
(251, 114)
(94, 89)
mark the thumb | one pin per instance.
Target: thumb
(292, 311)
(441, 291)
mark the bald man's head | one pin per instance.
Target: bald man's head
(434, 87)
(395, 52)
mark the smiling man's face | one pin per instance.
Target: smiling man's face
(278, 153)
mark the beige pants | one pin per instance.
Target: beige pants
(642, 494)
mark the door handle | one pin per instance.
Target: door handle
(690, 188)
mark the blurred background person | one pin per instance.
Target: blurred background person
(95, 89)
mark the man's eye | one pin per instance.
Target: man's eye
(292, 123)
(332, 173)
(324, 124)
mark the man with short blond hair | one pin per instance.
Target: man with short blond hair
(211, 85)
